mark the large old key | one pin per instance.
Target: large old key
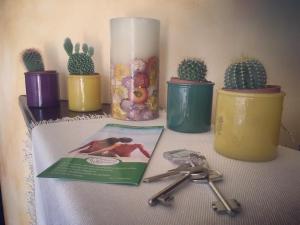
(192, 166)
(229, 206)
(165, 196)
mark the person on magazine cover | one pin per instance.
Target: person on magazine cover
(112, 147)
(100, 144)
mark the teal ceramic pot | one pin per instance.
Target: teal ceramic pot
(189, 106)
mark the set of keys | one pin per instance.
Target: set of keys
(192, 167)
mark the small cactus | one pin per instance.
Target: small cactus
(192, 69)
(246, 73)
(33, 60)
(79, 63)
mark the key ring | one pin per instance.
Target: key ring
(182, 156)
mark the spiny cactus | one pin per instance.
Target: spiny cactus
(192, 69)
(79, 63)
(33, 60)
(246, 73)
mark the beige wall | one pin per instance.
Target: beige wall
(216, 30)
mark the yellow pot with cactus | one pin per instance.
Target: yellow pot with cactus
(248, 113)
(84, 85)
(84, 92)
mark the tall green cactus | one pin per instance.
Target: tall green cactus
(246, 73)
(192, 69)
(79, 63)
(33, 60)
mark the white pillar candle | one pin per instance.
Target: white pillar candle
(134, 68)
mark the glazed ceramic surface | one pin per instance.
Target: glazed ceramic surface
(247, 125)
(84, 92)
(189, 107)
(134, 68)
(42, 89)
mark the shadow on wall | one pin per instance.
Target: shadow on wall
(163, 62)
(55, 61)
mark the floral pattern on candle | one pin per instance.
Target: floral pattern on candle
(135, 90)
(121, 71)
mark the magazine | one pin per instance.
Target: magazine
(115, 154)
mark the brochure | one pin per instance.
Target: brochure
(115, 154)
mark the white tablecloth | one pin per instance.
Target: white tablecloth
(268, 191)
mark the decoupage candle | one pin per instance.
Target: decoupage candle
(134, 56)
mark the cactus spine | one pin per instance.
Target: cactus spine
(33, 60)
(246, 73)
(192, 69)
(79, 63)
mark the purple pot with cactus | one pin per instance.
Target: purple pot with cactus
(41, 85)
(42, 88)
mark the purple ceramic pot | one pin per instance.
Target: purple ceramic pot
(42, 88)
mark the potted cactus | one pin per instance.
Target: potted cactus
(83, 83)
(189, 100)
(41, 85)
(248, 113)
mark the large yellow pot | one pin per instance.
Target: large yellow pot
(247, 125)
(84, 92)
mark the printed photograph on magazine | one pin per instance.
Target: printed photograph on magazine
(115, 154)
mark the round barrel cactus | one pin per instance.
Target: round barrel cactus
(192, 69)
(79, 63)
(33, 60)
(246, 73)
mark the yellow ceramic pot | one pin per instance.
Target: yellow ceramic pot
(84, 92)
(247, 125)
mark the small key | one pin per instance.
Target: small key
(164, 196)
(170, 173)
(230, 206)
(214, 175)
(194, 160)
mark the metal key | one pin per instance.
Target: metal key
(214, 176)
(164, 196)
(229, 206)
(194, 161)
(170, 173)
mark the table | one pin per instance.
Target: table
(268, 191)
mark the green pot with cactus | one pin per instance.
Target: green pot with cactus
(248, 113)
(189, 100)
(41, 85)
(84, 85)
